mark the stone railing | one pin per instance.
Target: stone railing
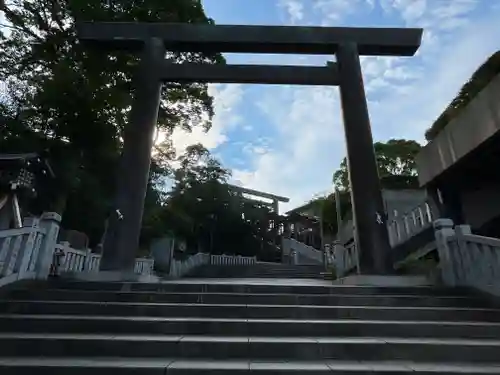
(69, 260)
(300, 253)
(93, 262)
(180, 268)
(411, 223)
(344, 259)
(467, 259)
(32, 252)
(232, 260)
(144, 266)
(27, 253)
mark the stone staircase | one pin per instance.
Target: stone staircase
(237, 326)
(261, 270)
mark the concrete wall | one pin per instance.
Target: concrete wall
(400, 202)
(396, 203)
(480, 206)
(478, 121)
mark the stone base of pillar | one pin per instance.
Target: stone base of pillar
(111, 276)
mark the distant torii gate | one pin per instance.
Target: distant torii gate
(275, 199)
(154, 39)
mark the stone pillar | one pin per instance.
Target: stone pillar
(372, 240)
(122, 235)
(443, 229)
(29, 250)
(49, 221)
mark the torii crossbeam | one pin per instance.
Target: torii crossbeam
(152, 40)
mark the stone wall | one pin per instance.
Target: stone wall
(479, 121)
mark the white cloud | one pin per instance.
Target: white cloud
(294, 10)
(309, 142)
(405, 94)
(334, 10)
(227, 98)
(410, 113)
(432, 14)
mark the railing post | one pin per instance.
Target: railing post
(68, 257)
(87, 264)
(49, 221)
(28, 251)
(338, 251)
(443, 229)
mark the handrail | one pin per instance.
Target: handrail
(26, 253)
(296, 252)
(232, 260)
(467, 259)
(410, 223)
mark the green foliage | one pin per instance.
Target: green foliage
(203, 211)
(74, 100)
(326, 208)
(396, 165)
(479, 80)
(397, 170)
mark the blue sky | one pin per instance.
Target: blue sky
(289, 140)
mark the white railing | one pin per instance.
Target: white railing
(76, 261)
(180, 268)
(345, 259)
(144, 266)
(411, 223)
(32, 252)
(93, 262)
(71, 260)
(26, 253)
(232, 260)
(467, 259)
(300, 253)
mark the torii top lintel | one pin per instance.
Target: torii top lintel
(253, 39)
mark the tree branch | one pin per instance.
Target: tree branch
(18, 23)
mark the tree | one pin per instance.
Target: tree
(75, 101)
(202, 210)
(395, 162)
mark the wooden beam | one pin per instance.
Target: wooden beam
(253, 39)
(258, 193)
(263, 74)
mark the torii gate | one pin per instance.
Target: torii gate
(152, 40)
(274, 198)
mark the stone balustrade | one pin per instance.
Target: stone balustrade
(32, 252)
(300, 253)
(74, 260)
(467, 259)
(345, 259)
(180, 268)
(27, 253)
(232, 260)
(411, 223)
(70, 260)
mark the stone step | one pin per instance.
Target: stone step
(147, 366)
(258, 286)
(255, 348)
(82, 324)
(250, 311)
(244, 298)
